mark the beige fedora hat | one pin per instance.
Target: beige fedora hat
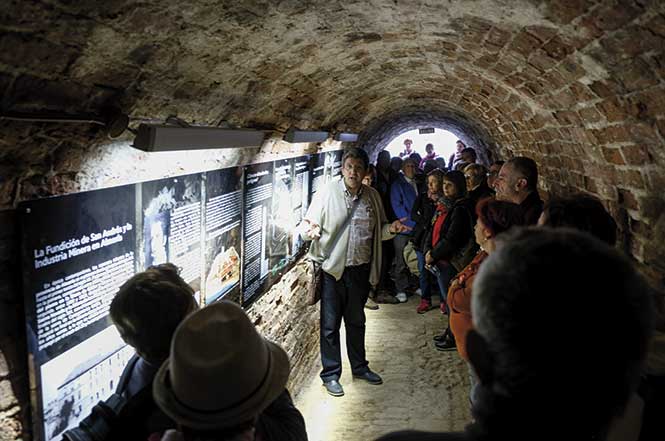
(221, 372)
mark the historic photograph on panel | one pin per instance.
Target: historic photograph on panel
(79, 378)
(223, 212)
(71, 271)
(172, 217)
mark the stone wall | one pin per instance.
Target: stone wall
(281, 314)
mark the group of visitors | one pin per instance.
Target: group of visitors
(513, 293)
(553, 322)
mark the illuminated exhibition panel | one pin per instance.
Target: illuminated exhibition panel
(231, 232)
(223, 213)
(77, 250)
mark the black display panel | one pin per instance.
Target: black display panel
(336, 163)
(300, 196)
(280, 218)
(172, 225)
(223, 213)
(257, 205)
(318, 172)
(77, 250)
(230, 231)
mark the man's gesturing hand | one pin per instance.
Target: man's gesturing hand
(398, 227)
(312, 230)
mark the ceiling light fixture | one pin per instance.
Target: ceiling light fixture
(165, 138)
(294, 136)
(346, 137)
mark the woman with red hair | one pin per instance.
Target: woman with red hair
(494, 217)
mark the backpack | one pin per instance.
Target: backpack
(105, 415)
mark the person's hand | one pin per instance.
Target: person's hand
(311, 229)
(428, 258)
(398, 227)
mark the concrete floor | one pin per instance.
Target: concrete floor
(423, 388)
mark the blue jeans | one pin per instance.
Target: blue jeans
(444, 273)
(423, 278)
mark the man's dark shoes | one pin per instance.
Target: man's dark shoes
(334, 388)
(370, 377)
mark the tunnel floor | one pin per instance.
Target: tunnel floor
(423, 388)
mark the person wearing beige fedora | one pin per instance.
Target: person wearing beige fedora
(224, 381)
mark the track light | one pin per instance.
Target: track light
(294, 136)
(163, 138)
(346, 137)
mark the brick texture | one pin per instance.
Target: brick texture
(577, 85)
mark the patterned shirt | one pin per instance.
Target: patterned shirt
(361, 229)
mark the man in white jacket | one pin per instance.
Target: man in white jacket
(350, 267)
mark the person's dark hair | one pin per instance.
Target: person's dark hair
(470, 151)
(528, 169)
(149, 306)
(458, 180)
(396, 163)
(356, 153)
(583, 212)
(499, 216)
(438, 174)
(384, 153)
(430, 165)
(459, 141)
(416, 157)
(441, 163)
(516, 308)
(499, 163)
(430, 146)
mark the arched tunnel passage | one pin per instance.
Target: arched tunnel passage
(377, 134)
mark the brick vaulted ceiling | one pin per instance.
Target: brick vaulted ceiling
(576, 84)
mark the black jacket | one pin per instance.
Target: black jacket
(422, 213)
(532, 207)
(455, 232)
(383, 186)
(480, 192)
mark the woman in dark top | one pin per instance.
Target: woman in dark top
(450, 236)
(422, 213)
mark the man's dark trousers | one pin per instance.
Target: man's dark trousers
(344, 299)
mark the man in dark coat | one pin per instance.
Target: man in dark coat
(518, 183)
